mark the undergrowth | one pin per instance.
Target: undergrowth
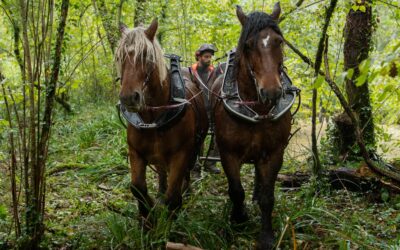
(89, 205)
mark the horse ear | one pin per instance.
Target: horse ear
(240, 14)
(123, 29)
(152, 29)
(276, 11)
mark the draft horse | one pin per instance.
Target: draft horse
(146, 92)
(257, 69)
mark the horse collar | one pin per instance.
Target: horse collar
(177, 95)
(236, 106)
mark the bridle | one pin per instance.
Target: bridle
(257, 86)
(163, 107)
(146, 80)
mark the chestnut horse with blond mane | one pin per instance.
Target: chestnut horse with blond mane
(145, 91)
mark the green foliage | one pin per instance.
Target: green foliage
(3, 212)
(89, 205)
(318, 81)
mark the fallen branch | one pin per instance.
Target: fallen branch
(64, 167)
(104, 187)
(180, 246)
(359, 180)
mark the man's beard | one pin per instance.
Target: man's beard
(206, 64)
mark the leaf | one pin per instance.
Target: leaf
(382, 96)
(361, 80)
(395, 47)
(373, 75)
(355, 7)
(362, 8)
(318, 82)
(3, 212)
(386, 91)
(341, 78)
(364, 65)
(349, 73)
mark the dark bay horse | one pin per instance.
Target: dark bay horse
(145, 90)
(257, 70)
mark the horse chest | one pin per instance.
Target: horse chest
(252, 141)
(157, 147)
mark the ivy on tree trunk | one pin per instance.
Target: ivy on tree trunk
(357, 45)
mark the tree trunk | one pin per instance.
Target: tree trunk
(140, 13)
(163, 14)
(39, 148)
(318, 61)
(358, 42)
(108, 22)
(13, 162)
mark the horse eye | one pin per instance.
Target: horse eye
(279, 41)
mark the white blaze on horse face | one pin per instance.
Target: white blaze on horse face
(265, 41)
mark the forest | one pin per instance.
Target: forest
(64, 160)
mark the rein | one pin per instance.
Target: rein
(251, 103)
(171, 106)
(205, 86)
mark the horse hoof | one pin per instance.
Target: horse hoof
(239, 218)
(265, 242)
(264, 246)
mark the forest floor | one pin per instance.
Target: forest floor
(89, 205)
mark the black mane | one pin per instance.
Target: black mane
(256, 21)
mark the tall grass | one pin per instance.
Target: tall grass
(89, 205)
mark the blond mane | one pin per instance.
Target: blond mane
(144, 51)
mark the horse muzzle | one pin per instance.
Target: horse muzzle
(270, 96)
(133, 102)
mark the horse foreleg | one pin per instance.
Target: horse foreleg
(268, 169)
(186, 181)
(177, 169)
(162, 180)
(138, 182)
(256, 189)
(231, 167)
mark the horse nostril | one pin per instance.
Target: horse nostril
(130, 100)
(124, 99)
(263, 95)
(136, 97)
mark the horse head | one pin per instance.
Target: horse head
(141, 65)
(261, 52)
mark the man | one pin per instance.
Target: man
(203, 74)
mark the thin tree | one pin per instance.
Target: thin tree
(317, 66)
(38, 75)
